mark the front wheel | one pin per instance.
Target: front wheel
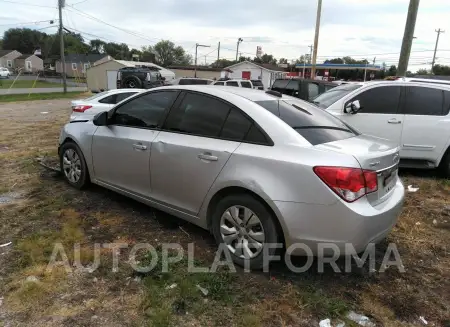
(73, 165)
(246, 227)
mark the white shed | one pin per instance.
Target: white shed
(104, 75)
(248, 70)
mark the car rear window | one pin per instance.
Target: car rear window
(247, 85)
(257, 82)
(314, 124)
(280, 84)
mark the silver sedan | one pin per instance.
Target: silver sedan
(255, 168)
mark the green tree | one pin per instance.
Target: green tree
(392, 71)
(422, 71)
(97, 46)
(242, 58)
(167, 54)
(441, 70)
(222, 63)
(283, 61)
(117, 51)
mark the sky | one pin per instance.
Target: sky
(371, 29)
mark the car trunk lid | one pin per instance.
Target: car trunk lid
(374, 154)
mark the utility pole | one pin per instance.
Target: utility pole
(196, 46)
(439, 31)
(310, 53)
(61, 4)
(237, 48)
(408, 36)
(316, 39)
(218, 54)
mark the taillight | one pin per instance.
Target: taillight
(80, 108)
(349, 183)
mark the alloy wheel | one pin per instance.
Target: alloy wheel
(72, 165)
(242, 231)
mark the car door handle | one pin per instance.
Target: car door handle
(139, 146)
(394, 121)
(207, 157)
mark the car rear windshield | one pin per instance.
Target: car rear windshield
(257, 82)
(280, 84)
(328, 98)
(314, 124)
(97, 95)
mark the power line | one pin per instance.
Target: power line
(30, 23)
(26, 4)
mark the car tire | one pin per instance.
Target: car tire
(73, 165)
(445, 164)
(133, 82)
(222, 227)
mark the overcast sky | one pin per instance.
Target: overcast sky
(284, 28)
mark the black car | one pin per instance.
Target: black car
(305, 89)
(139, 77)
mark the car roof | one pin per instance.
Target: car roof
(114, 91)
(222, 91)
(405, 83)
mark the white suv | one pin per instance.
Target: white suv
(413, 114)
(236, 83)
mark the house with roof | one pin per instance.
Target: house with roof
(78, 64)
(7, 58)
(29, 63)
(266, 73)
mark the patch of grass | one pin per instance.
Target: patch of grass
(25, 84)
(322, 304)
(41, 96)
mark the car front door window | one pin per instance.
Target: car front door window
(145, 111)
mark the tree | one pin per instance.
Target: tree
(392, 71)
(167, 54)
(268, 59)
(117, 51)
(422, 71)
(97, 46)
(242, 58)
(222, 63)
(283, 61)
(301, 60)
(441, 70)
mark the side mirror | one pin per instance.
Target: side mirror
(101, 119)
(352, 107)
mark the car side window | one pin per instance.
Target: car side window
(246, 85)
(313, 90)
(198, 114)
(123, 96)
(219, 83)
(424, 101)
(110, 99)
(233, 84)
(144, 111)
(236, 126)
(379, 100)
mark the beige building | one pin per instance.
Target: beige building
(202, 71)
(103, 76)
(78, 64)
(29, 63)
(7, 58)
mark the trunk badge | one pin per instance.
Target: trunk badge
(373, 164)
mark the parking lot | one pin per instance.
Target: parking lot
(38, 209)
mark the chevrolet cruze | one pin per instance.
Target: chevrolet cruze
(253, 167)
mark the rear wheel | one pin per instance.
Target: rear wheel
(246, 227)
(73, 165)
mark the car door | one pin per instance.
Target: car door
(189, 153)
(379, 113)
(121, 150)
(426, 129)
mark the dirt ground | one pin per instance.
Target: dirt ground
(38, 210)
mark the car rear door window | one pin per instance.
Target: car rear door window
(233, 84)
(424, 101)
(198, 114)
(144, 111)
(379, 100)
(123, 96)
(247, 85)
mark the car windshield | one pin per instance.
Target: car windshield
(326, 99)
(314, 124)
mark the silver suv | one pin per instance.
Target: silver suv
(254, 168)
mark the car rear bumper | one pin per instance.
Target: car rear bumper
(342, 224)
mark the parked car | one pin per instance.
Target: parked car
(139, 77)
(99, 102)
(4, 72)
(190, 81)
(236, 83)
(411, 114)
(423, 80)
(257, 84)
(305, 89)
(256, 170)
